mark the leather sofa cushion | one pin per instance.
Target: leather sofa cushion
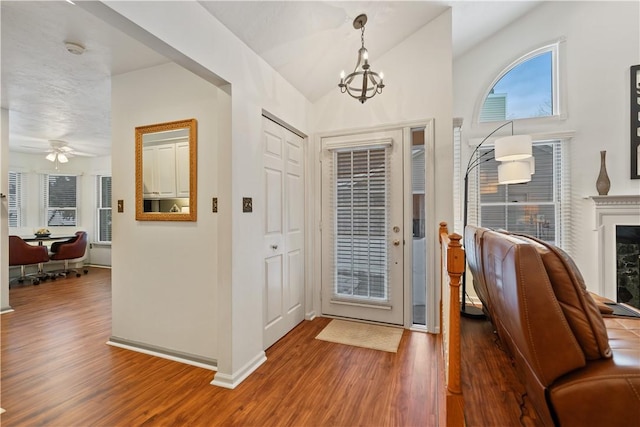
(473, 253)
(605, 392)
(581, 311)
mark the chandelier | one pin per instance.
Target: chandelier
(363, 83)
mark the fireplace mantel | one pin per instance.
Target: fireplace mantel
(612, 211)
(602, 201)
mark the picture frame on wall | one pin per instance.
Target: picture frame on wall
(635, 121)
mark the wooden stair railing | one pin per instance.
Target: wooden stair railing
(452, 267)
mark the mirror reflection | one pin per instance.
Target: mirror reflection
(166, 171)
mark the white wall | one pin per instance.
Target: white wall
(254, 86)
(602, 42)
(164, 282)
(236, 322)
(4, 209)
(418, 79)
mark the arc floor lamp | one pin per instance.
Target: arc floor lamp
(514, 153)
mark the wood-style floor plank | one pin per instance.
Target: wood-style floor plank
(58, 371)
(493, 396)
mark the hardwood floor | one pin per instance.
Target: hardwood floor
(493, 396)
(57, 370)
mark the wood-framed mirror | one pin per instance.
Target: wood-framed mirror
(166, 171)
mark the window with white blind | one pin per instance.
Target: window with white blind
(536, 207)
(60, 199)
(16, 197)
(361, 199)
(104, 208)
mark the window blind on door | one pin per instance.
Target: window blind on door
(361, 186)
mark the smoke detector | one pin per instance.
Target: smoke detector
(74, 48)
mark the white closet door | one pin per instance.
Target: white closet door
(283, 231)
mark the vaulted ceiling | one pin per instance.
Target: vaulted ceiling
(52, 94)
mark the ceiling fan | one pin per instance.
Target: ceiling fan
(59, 151)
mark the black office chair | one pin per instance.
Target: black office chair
(21, 253)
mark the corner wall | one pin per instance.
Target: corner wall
(236, 319)
(164, 287)
(602, 42)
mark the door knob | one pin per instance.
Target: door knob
(396, 242)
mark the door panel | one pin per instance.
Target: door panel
(273, 274)
(362, 233)
(283, 231)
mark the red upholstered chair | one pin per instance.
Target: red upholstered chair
(21, 253)
(71, 249)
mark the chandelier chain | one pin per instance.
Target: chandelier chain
(362, 36)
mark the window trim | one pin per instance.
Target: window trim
(557, 85)
(20, 178)
(561, 188)
(45, 199)
(99, 208)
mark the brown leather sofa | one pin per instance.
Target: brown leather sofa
(578, 367)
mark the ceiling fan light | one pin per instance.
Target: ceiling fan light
(51, 157)
(62, 158)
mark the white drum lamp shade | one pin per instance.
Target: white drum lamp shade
(515, 172)
(514, 147)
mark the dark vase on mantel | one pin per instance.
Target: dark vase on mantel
(602, 183)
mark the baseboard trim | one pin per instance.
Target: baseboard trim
(232, 381)
(310, 315)
(188, 359)
(6, 310)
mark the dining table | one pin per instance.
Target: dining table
(41, 239)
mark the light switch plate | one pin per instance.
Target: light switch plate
(214, 205)
(247, 204)
(120, 206)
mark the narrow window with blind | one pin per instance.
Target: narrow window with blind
(60, 197)
(360, 246)
(533, 208)
(16, 210)
(104, 208)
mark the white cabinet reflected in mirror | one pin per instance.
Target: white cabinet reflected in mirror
(166, 171)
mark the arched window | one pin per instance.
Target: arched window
(528, 88)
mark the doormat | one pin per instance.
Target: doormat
(383, 338)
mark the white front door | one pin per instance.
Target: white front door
(362, 226)
(283, 231)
